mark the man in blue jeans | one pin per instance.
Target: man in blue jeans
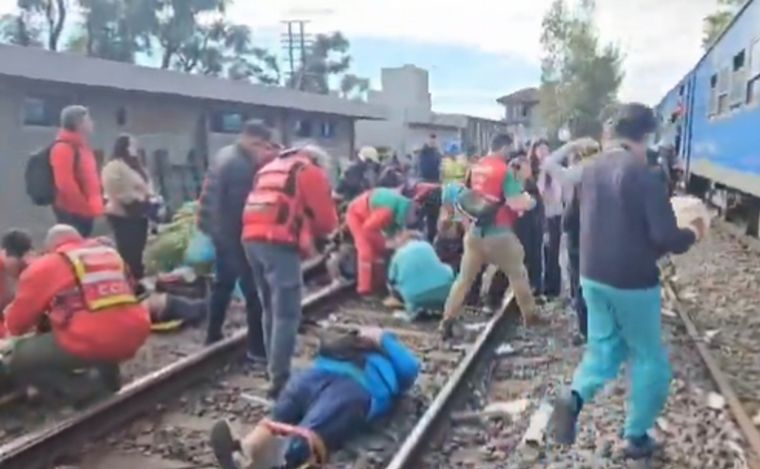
(225, 190)
(355, 378)
(627, 224)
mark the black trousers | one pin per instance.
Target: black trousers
(131, 235)
(529, 229)
(552, 271)
(575, 287)
(81, 224)
(232, 266)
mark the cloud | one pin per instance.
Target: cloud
(660, 38)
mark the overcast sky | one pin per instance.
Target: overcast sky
(478, 50)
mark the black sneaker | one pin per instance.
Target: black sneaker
(564, 419)
(224, 445)
(641, 447)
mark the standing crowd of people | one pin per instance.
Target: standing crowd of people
(265, 208)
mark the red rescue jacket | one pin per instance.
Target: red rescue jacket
(84, 288)
(487, 178)
(291, 203)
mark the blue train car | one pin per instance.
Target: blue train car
(713, 117)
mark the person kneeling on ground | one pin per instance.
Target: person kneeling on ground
(95, 319)
(355, 378)
(418, 276)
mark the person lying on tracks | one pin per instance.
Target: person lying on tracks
(289, 209)
(96, 321)
(355, 378)
(418, 276)
(15, 256)
(627, 223)
(373, 219)
(170, 312)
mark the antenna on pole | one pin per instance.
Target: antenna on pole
(296, 42)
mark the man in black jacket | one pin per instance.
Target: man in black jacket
(228, 182)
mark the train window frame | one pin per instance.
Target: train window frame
(713, 104)
(50, 107)
(752, 90)
(738, 84)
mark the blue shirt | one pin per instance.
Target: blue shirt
(385, 376)
(416, 269)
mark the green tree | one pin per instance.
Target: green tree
(114, 29)
(326, 59)
(353, 87)
(580, 77)
(715, 23)
(37, 23)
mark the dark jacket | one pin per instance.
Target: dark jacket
(626, 222)
(430, 164)
(228, 182)
(357, 178)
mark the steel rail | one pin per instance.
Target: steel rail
(743, 420)
(40, 449)
(432, 421)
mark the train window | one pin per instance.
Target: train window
(713, 108)
(753, 91)
(738, 80)
(753, 83)
(724, 85)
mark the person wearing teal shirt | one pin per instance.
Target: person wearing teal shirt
(417, 274)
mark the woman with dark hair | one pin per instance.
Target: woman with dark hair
(552, 197)
(128, 189)
(529, 228)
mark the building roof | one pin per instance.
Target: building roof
(38, 64)
(525, 95)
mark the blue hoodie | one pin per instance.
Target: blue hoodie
(385, 376)
(415, 269)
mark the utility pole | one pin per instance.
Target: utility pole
(295, 42)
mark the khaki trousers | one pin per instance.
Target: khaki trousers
(505, 252)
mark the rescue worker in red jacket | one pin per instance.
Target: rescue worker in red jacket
(79, 198)
(288, 210)
(96, 321)
(373, 219)
(491, 240)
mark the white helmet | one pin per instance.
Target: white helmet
(368, 154)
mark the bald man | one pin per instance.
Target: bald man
(96, 321)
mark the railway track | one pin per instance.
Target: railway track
(480, 402)
(162, 419)
(503, 421)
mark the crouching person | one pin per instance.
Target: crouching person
(374, 219)
(95, 319)
(355, 378)
(418, 276)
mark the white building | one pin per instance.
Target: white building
(406, 96)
